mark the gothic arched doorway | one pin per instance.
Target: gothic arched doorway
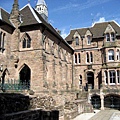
(90, 79)
(25, 75)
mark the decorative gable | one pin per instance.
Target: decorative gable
(109, 29)
(88, 33)
(76, 34)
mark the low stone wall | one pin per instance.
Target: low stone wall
(32, 115)
(11, 103)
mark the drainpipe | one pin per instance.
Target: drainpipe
(72, 72)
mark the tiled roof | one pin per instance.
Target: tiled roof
(97, 30)
(4, 17)
(28, 16)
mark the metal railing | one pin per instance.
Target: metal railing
(15, 85)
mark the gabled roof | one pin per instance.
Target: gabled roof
(4, 17)
(97, 30)
(28, 16)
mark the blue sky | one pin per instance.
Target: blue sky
(70, 14)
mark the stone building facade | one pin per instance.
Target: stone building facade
(97, 60)
(32, 51)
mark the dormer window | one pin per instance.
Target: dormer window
(77, 40)
(88, 40)
(110, 37)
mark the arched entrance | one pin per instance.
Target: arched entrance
(95, 101)
(90, 79)
(25, 75)
(112, 101)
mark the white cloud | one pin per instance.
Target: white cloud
(63, 33)
(101, 19)
(80, 6)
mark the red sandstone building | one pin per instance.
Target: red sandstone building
(97, 57)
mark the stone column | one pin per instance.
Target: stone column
(102, 101)
(108, 77)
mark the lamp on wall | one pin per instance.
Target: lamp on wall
(1, 67)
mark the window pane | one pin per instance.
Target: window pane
(118, 76)
(88, 40)
(75, 58)
(79, 60)
(91, 57)
(111, 54)
(77, 40)
(112, 76)
(87, 55)
(28, 43)
(108, 37)
(24, 43)
(112, 36)
(106, 77)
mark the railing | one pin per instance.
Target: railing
(14, 85)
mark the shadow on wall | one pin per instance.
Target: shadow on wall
(11, 103)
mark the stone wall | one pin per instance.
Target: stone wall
(37, 114)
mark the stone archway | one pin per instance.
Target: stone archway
(96, 101)
(25, 76)
(90, 79)
(112, 101)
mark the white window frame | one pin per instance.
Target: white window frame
(111, 55)
(118, 77)
(118, 55)
(112, 77)
(106, 77)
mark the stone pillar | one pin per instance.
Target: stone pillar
(102, 101)
(108, 77)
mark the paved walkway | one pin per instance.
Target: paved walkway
(100, 115)
(107, 115)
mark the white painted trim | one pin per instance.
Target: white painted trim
(33, 12)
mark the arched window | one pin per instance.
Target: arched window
(88, 40)
(91, 57)
(79, 59)
(75, 58)
(106, 77)
(26, 41)
(87, 57)
(112, 37)
(111, 55)
(80, 80)
(77, 40)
